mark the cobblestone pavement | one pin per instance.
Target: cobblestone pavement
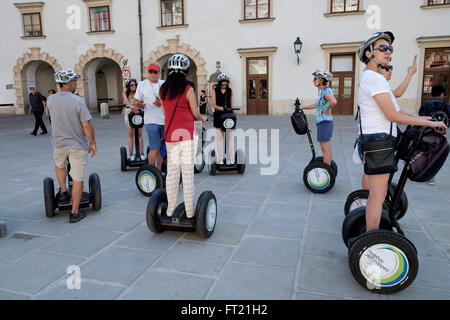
(273, 240)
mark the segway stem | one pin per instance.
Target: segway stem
(136, 142)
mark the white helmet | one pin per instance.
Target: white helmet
(223, 77)
(178, 62)
(368, 44)
(66, 75)
(324, 74)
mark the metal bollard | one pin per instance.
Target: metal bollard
(104, 110)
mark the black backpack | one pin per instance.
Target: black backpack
(299, 122)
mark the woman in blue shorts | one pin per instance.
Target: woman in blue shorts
(324, 120)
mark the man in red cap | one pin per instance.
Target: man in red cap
(148, 93)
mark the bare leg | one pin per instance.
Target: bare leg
(77, 191)
(365, 181)
(219, 137)
(378, 185)
(130, 139)
(152, 156)
(61, 174)
(326, 150)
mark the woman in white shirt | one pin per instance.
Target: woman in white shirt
(378, 109)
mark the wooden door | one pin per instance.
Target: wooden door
(343, 82)
(257, 86)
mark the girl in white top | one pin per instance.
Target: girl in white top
(379, 108)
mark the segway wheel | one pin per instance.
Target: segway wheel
(155, 207)
(206, 211)
(95, 191)
(212, 164)
(123, 159)
(318, 177)
(240, 161)
(148, 179)
(355, 224)
(358, 199)
(49, 197)
(199, 163)
(383, 261)
(333, 165)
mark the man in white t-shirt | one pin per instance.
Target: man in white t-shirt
(148, 93)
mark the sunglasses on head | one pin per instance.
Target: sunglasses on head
(384, 48)
(388, 68)
(153, 72)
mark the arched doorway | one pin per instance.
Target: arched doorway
(192, 76)
(197, 75)
(33, 68)
(103, 83)
(40, 75)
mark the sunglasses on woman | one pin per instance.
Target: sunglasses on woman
(133, 85)
(388, 68)
(383, 48)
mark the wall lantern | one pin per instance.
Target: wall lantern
(298, 48)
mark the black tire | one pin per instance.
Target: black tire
(95, 191)
(333, 165)
(240, 161)
(206, 212)
(320, 170)
(382, 244)
(148, 179)
(355, 224)
(153, 220)
(49, 197)
(199, 167)
(123, 159)
(212, 164)
(358, 199)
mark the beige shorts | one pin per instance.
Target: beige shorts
(78, 162)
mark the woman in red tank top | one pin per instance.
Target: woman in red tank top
(180, 111)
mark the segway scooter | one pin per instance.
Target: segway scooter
(228, 121)
(136, 121)
(94, 196)
(318, 176)
(385, 261)
(203, 222)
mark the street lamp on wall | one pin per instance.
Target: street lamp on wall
(298, 48)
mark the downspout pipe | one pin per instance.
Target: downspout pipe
(141, 58)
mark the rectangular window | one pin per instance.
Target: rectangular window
(436, 71)
(257, 9)
(437, 59)
(32, 24)
(172, 12)
(338, 6)
(99, 17)
(438, 2)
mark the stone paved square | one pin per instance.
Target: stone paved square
(273, 240)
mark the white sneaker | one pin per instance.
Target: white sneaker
(132, 157)
(142, 157)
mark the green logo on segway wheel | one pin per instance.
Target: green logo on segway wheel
(147, 182)
(211, 213)
(318, 178)
(383, 265)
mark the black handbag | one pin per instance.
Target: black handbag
(378, 156)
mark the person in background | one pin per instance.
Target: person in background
(38, 106)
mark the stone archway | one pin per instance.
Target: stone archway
(35, 54)
(173, 46)
(99, 52)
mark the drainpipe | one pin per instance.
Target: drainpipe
(140, 40)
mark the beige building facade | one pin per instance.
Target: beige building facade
(250, 40)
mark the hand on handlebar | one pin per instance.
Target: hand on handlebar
(439, 127)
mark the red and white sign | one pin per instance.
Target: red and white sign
(126, 74)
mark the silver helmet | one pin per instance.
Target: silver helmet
(223, 77)
(66, 75)
(324, 74)
(178, 62)
(368, 44)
